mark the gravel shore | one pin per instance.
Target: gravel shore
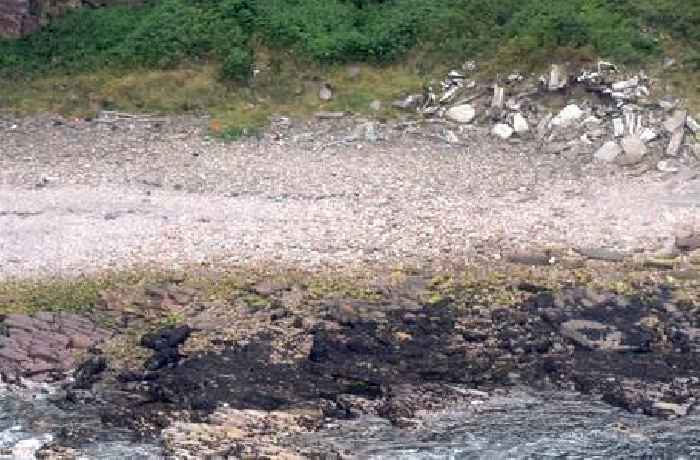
(82, 196)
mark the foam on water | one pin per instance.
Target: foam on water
(28, 421)
(522, 425)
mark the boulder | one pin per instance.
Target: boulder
(569, 115)
(593, 335)
(464, 113)
(634, 149)
(42, 346)
(502, 130)
(520, 124)
(325, 93)
(608, 152)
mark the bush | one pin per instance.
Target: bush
(165, 33)
(238, 65)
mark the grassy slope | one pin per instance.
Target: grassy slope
(176, 56)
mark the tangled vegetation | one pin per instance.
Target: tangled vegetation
(164, 33)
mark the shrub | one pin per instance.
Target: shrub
(238, 65)
(164, 33)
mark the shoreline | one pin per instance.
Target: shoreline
(606, 330)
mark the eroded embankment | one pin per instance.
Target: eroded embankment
(237, 362)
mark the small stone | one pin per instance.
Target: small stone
(634, 150)
(371, 134)
(692, 124)
(626, 84)
(26, 449)
(469, 66)
(410, 102)
(689, 242)
(375, 105)
(502, 130)
(667, 166)
(603, 254)
(660, 263)
(533, 259)
(608, 152)
(648, 135)
(451, 137)
(520, 124)
(670, 409)
(330, 115)
(325, 93)
(464, 113)
(569, 114)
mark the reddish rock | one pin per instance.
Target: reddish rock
(42, 346)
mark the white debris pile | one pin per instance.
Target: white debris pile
(604, 114)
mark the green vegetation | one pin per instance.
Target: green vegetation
(219, 43)
(73, 295)
(165, 33)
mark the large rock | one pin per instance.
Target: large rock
(608, 152)
(569, 115)
(520, 124)
(634, 149)
(593, 335)
(42, 347)
(464, 113)
(502, 130)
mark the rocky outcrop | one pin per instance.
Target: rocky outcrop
(44, 346)
(19, 18)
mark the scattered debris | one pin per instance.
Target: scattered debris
(614, 118)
